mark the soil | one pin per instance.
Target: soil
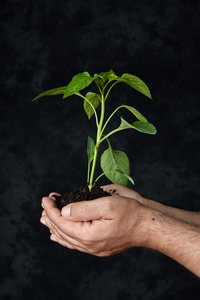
(81, 194)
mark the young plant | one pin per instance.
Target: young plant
(114, 163)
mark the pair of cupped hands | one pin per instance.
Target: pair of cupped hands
(101, 227)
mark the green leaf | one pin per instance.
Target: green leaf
(144, 127)
(78, 83)
(120, 174)
(94, 100)
(90, 149)
(105, 75)
(129, 178)
(52, 92)
(113, 77)
(117, 162)
(136, 83)
(136, 113)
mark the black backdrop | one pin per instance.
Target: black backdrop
(43, 143)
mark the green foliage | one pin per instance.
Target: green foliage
(78, 83)
(91, 102)
(53, 92)
(114, 163)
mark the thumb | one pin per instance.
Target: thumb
(84, 210)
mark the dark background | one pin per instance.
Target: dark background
(43, 144)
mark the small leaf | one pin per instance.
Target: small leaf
(118, 162)
(94, 100)
(105, 75)
(90, 149)
(144, 127)
(136, 113)
(78, 83)
(113, 77)
(52, 92)
(99, 82)
(136, 83)
(95, 76)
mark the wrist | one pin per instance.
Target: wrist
(150, 227)
(144, 228)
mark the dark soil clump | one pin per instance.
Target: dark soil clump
(81, 194)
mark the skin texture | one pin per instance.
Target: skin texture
(110, 225)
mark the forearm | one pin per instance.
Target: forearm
(180, 214)
(174, 238)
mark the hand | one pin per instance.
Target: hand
(116, 189)
(101, 227)
(110, 225)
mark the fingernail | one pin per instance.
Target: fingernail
(43, 221)
(66, 210)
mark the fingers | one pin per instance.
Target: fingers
(86, 210)
(70, 242)
(55, 221)
(56, 233)
(58, 240)
(44, 213)
(52, 194)
(116, 189)
(111, 188)
(73, 235)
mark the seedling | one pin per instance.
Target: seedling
(114, 163)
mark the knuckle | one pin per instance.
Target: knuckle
(77, 209)
(110, 204)
(44, 198)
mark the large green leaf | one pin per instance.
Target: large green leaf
(144, 127)
(113, 164)
(136, 113)
(136, 83)
(94, 100)
(52, 92)
(121, 174)
(90, 149)
(78, 83)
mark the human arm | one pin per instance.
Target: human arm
(114, 224)
(176, 239)
(180, 214)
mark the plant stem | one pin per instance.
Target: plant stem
(110, 89)
(109, 134)
(99, 135)
(110, 118)
(93, 168)
(88, 172)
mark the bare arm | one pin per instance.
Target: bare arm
(176, 239)
(181, 214)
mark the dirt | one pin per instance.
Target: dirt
(81, 194)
